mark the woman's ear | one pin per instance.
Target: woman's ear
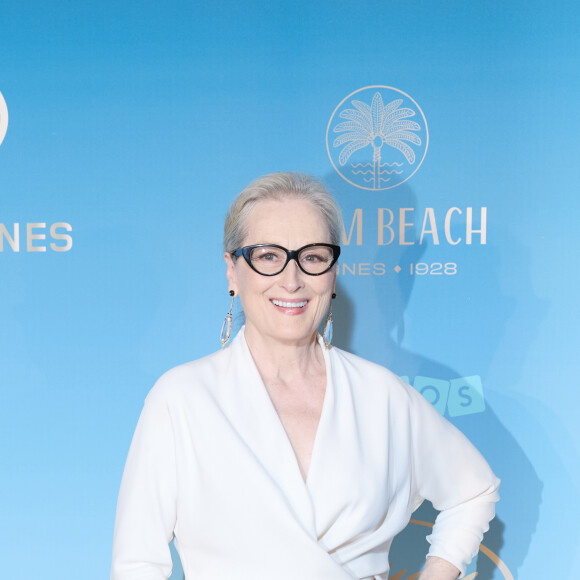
(231, 272)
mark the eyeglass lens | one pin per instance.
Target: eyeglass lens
(271, 260)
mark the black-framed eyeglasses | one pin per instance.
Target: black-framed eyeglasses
(271, 259)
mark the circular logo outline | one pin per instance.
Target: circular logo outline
(340, 105)
(3, 118)
(501, 565)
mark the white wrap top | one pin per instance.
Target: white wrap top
(211, 465)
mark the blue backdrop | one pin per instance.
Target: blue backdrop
(127, 127)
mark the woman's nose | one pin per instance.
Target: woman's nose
(291, 277)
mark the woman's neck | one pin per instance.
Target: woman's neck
(285, 361)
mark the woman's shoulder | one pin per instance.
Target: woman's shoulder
(358, 364)
(189, 377)
(377, 383)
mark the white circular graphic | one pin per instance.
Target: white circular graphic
(3, 118)
(377, 137)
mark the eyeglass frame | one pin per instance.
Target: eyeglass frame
(290, 255)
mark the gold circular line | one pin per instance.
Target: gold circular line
(497, 561)
(483, 549)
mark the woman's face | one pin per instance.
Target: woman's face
(289, 306)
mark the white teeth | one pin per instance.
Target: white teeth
(290, 304)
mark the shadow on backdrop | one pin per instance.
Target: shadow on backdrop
(521, 488)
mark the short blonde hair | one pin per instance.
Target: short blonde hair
(280, 186)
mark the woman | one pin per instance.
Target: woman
(279, 456)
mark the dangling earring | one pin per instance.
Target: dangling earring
(227, 325)
(327, 330)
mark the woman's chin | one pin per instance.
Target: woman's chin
(289, 334)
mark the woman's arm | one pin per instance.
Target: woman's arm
(146, 508)
(450, 473)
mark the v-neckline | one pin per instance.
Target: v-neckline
(306, 480)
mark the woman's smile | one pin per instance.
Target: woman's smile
(290, 306)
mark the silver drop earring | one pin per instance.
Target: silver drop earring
(227, 325)
(327, 330)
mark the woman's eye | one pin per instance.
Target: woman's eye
(314, 258)
(266, 256)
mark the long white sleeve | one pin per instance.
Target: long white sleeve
(146, 508)
(452, 474)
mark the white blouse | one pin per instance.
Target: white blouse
(211, 465)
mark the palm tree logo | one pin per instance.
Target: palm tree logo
(377, 125)
(383, 143)
(3, 118)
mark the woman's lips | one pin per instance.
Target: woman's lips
(286, 304)
(289, 308)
